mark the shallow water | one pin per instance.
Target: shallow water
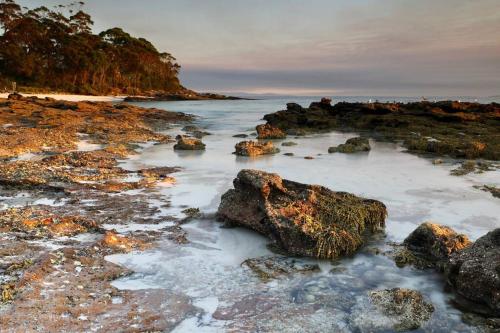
(230, 297)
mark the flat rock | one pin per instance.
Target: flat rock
(306, 220)
(272, 267)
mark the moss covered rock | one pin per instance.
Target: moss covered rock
(352, 145)
(307, 220)
(460, 130)
(406, 307)
(433, 242)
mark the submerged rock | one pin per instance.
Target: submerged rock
(272, 267)
(406, 307)
(185, 143)
(308, 220)
(120, 243)
(242, 135)
(352, 145)
(495, 191)
(289, 144)
(432, 243)
(472, 166)
(159, 173)
(267, 131)
(253, 148)
(474, 274)
(195, 131)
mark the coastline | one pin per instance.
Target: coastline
(71, 97)
(124, 199)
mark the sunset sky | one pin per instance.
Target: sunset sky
(363, 47)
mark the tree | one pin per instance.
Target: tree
(56, 49)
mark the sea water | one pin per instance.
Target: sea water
(230, 297)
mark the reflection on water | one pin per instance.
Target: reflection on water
(231, 297)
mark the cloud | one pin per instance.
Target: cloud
(367, 46)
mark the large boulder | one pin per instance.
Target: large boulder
(431, 244)
(254, 148)
(474, 274)
(306, 220)
(266, 131)
(352, 145)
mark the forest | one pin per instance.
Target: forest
(56, 50)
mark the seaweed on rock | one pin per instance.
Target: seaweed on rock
(308, 220)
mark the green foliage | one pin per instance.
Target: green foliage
(56, 49)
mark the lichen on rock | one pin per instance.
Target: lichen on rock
(406, 307)
(186, 143)
(431, 244)
(307, 220)
(267, 131)
(254, 148)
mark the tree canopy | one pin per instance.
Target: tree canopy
(56, 49)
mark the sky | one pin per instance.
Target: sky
(319, 47)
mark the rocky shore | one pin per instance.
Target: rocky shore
(456, 129)
(182, 95)
(65, 160)
(53, 275)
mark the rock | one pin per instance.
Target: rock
(272, 267)
(15, 96)
(195, 131)
(442, 128)
(294, 107)
(185, 143)
(289, 144)
(470, 166)
(352, 145)
(121, 243)
(407, 307)
(159, 173)
(309, 158)
(474, 274)
(325, 103)
(495, 191)
(437, 161)
(434, 243)
(323, 291)
(289, 154)
(253, 148)
(190, 128)
(307, 220)
(267, 131)
(192, 212)
(240, 136)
